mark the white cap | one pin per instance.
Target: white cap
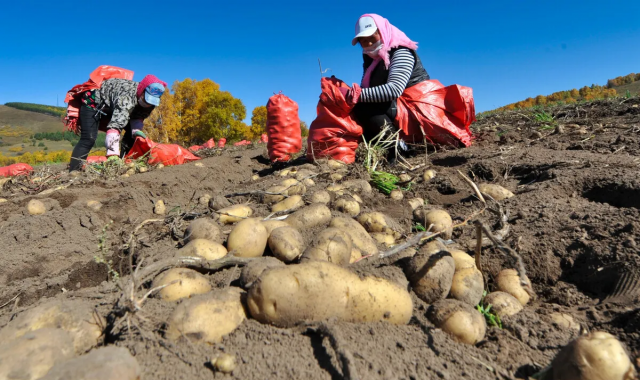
(364, 28)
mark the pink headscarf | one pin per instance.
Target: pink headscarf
(146, 81)
(392, 37)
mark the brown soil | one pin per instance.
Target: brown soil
(575, 220)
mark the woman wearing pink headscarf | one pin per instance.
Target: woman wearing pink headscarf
(391, 65)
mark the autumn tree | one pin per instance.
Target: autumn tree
(304, 130)
(258, 122)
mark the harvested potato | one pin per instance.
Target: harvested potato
(276, 194)
(181, 283)
(76, 317)
(202, 229)
(355, 255)
(130, 172)
(431, 274)
(404, 177)
(292, 203)
(204, 248)
(508, 281)
(225, 363)
(308, 182)
(318, 290)
(303, 174)
(596, 356)
(94, 205)
(467, 286)
(496, 192)
(336, 165)
(378, 222)
(382, 238)
(311, 216)
(440, 219)
(233, 214)
(207, 317)
(428, 175)
(336, 176)
(564, 320)
(293, 187)
(3, 200)
(335, 188)
(434, 246)
(32, 355)
(361, 240)
(36, 207)
(286, 243)
(255, 177)
(357, 185)
(504, 304)
(219, 202)
(105, 363)
(271, 225)
(416, 203)
(357, 198)
(396, 195)
(159, 208)
(160, 166)
(463, 260)
(463, 322)
(347, 205)
(284, 172)
(332, 245)
(204, 199)
(252, 271)
(248, 238)
(143, 169)
(320, 196)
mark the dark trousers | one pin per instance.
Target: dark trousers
(373, 116)
(89, 124)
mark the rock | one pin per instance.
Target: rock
(107, 363)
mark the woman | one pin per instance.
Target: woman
(391, 65)
(125, 103)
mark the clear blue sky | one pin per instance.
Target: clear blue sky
(505, 50)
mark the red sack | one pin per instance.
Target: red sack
(283, 128)
(222, 142)
(209, 144)
(96, 159)
(195, 148)
(264, 138)
(166, 154)
(242, 143)
(334, 133)
(96, 78)
(442, 114)
(15, 170)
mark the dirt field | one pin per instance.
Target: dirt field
(575, 220)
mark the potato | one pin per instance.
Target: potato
(204, 248)
(105, 363)
(248, 238)
(252, 271)
(564, 321)
(219, 202)
(434, 246)
(159, 208)
(318, 290)
(496, 192)
(76, 317)
(431, 274)
(308, 182)
(186, 283)
(284, 172)
(160, 166)
(346, 204)
(255, 177)
(143, 169)
(293, 187)
(361, 240)
(596, 356)
(236, 213)
(320, 196)
(204, 199)
(428, 175)
(357, 198)
(382, 238)
(336, 189)
(36, 207)
(94, 205)
(467, 286)
(416, 203)
(336, 165)
(271, 225)
(303, 174)
(225, 363)
(508, 281)
(396, 195)
(286, 243)
(357, 185)
(292, 203)
(463, 260)
(332, 245)
(440, 219)
(276, 194)
(404, 177)
(336, 176)
(207, 317)
(355, 255)
(32, 355)
(463, 322)
(311, 216)
(202, 229)
(378, 222)
(504, 304)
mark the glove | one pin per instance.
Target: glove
(139, 133)
(112, 142)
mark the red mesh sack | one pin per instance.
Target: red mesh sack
(222, 142)
(442, 114)
(211, 143)
(96, 159)
(166, 154)
(334, 133)
(264, 138)
(195, 148)
(16, 169)
(283, 128)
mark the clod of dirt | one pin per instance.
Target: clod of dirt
(94, 205)
(415, 203)
(106, 363)
(32, 355)
(564, 320)
(159, 208)
(36, 207)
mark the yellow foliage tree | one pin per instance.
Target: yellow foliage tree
(304, 130)
(258, 122)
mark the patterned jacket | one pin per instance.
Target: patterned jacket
(118, 96)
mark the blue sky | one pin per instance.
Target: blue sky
(505, 50)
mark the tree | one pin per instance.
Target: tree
(258, 122)
(304, 130)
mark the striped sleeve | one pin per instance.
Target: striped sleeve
(400, 69)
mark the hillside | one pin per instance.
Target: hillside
(633, 88)
(39, 108)
(33, 121)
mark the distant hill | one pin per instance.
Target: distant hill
(39, 108)
(32, 121)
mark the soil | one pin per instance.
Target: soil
(574, 219)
